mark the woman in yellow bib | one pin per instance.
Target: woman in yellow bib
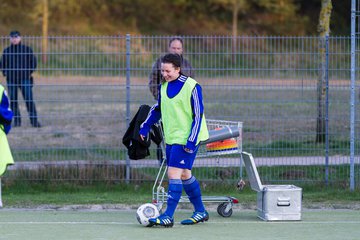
(181, 109)
(6, 116)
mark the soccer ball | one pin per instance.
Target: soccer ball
(146, 211)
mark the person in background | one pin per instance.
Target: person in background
(176, 46)
(181, 110)
(6, 116)
(6, 113)
(18, 63)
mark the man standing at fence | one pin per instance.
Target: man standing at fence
(18, 63)
(176, 46)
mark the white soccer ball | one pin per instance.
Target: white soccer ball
(146, 211)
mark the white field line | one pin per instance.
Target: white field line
(132, 223)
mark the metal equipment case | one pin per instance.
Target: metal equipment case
(274, 202)
(279, 202)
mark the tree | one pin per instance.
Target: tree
(45, 30)
(235, 28)
(234, 6)
(324, 31)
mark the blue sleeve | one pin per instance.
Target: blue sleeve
(152, 118)
(198, 112)
(6, 113)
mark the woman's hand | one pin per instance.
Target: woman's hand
(142, 137)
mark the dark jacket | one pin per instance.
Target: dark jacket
(18, 62)
(137, 148)
(155, 77)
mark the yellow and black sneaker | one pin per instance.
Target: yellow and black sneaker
(162, 220)
(196, 218)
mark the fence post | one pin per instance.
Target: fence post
(127, 179)
(327, 111)
(352, 97)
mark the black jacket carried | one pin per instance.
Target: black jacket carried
(137, 148)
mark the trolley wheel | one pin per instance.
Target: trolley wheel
(221, 209)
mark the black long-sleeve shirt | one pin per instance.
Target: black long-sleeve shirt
(18, 62)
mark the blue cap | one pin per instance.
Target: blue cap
(14, 33)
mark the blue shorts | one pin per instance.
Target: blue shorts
(177, 157)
